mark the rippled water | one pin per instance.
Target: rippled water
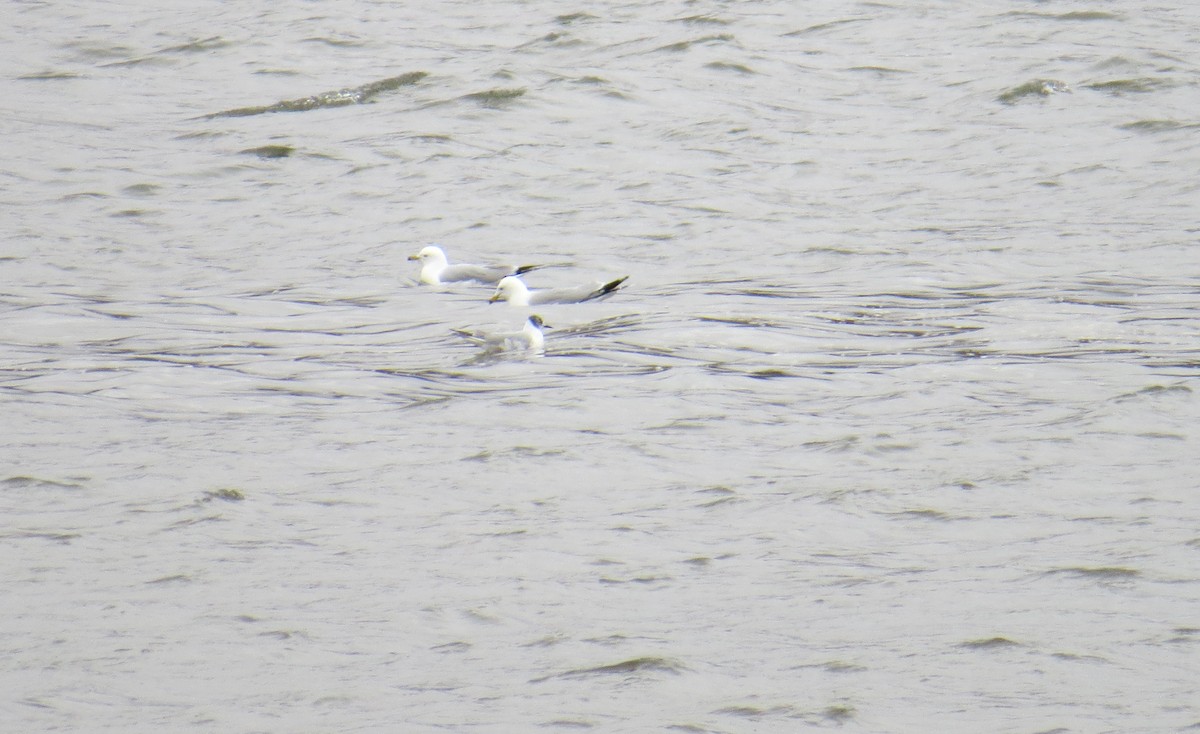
(892, 429)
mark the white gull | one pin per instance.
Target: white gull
(436, 269)
(514, 290)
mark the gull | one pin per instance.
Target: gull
(513, 289)
(436, 269)
(528, 339)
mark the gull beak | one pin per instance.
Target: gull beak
(495, 297)
(414, 257)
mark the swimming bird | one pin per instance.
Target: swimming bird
(514, 290)
(529, 339)
(436, 269)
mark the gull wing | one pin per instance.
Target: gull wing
(576, 295)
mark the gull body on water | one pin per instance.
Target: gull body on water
(436, 268)
(514, 290)
(529, 338)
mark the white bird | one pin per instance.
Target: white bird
(513, 289)
(528, 339)
(436, 269)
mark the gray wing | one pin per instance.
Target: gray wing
(575, 295)
(481, 273)
(475, 337)
(495, 342)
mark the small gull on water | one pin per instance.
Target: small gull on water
(528, 339)
(436, 269)
(513, 289)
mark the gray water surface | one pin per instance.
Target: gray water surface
(892, 428)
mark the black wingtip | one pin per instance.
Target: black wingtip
(521, 270)
(612, 285)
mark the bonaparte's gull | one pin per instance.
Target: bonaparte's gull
(528, 339)
(436, 269)
(513, 289)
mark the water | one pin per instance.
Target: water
(893, 428)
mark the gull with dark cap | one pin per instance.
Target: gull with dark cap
(528, 339)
